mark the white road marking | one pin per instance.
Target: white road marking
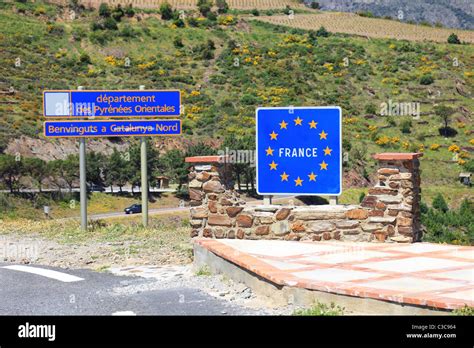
(63, 277)
(124, 313)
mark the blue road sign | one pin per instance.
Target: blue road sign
(111, 103)
(117, 128)
(299, 151)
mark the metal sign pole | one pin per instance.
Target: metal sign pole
(144, 175)
(82, 179)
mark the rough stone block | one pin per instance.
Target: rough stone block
(195, 184)
(320, 226)
(367, 227)
(262, 230)
(402, 221)
(357, 214)
(351, 232)
(199, 213)
(390, 199)
(388, 171)
(233, 211)
(298, 227)
(244, 220)
(347, 224)
(382, 220)
(219, 220)
(195, 194)
(213, 186)
(196, 223)
(282, 214)
(280, 228)
(203, 176)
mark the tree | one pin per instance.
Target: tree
(37, 170)
(10, 171)
(166, 11)
(65, 170)
(453, 39)
(95, 168)
(322, 32)
(175, 167)
(134, 165)
(444, 113)
(314, 5)
(440, 204)
(104, 10)
(204, 6)
(222, 6)
(116, 171)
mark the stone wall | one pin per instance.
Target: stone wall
(389, 213)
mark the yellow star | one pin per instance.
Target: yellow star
(313, 124)
(284, 177)
(327, 151)
(269, 151)
(324, 165)
(273, 136)
(273, 165)
(312, 177)
(298, 121)
(323, 135)
(298, 182)
(283, 125)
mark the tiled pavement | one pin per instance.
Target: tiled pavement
(425, 274)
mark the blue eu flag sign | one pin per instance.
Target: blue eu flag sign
(299, 151)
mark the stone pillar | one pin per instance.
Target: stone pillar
(214, 203)
(394, 201)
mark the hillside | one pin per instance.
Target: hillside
(449, 13)
(228, 67)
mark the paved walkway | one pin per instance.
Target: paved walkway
(425, 274)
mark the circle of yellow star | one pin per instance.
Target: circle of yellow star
(269, 151)
(312, 176)
(283, 125)
(284, 176)
(298, 121)
(273, 165)
(324, 165)
(323, 135)
(298, 182)
(312, 124)
(273, 135)
(327, 151)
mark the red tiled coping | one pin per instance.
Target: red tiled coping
(397, 156)
(205, 159)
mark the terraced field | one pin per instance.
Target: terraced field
(191, 4)
(349, 23)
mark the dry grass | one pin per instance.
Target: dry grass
(191, 4)
(349, 23)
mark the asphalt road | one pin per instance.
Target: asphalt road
(97, 293)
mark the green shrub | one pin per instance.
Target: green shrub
(110, 23)
(361, 197)
(104, 10)
(405, 126)
(453, 39)
(166, 11)
(426, 79)
(439, 203)
(322, 32)
(255, 12)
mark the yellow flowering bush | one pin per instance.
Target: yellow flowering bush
(471, 141)
(372, 128)
(226, 20)
(454, 148)
(195, 93)
(435, 147)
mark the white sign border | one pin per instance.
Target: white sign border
(296, 108)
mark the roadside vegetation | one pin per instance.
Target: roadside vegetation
(321, 309)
